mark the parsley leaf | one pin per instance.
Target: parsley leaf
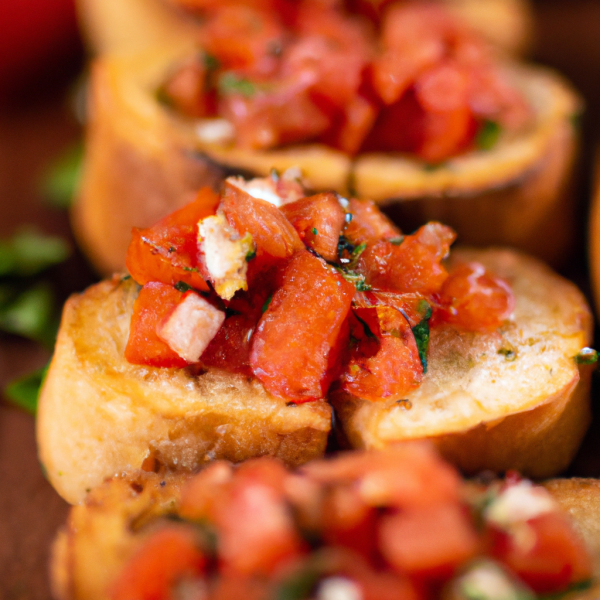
(488, 135)
(421, 333)
(230, 83)
(586, 356)
(24, 392)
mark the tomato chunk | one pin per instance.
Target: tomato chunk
(167, 251)
(415, 265)
(549, 558)
(318, 220)
(386, 368)
(154, 304)
(273, 234)
(168, 556)
(293, 347)
(473, 299)
(430, 542)
(368, 224)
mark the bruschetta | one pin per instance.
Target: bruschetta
(116, 27)
(515, 398)
(394, 524)
(494, 162)
(246, 310)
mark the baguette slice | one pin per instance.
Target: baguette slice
(143, 161)
(99, 415)
(512, 399)
(120, 27)
(102, 533)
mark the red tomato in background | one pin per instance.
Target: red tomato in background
(39, 43)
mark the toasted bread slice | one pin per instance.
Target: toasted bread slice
(120, 27)
(512, 399)
(143, 161)
(103, 532)
(100, 415)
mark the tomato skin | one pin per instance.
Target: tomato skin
(473, 299)
(552, 556)
(294, 344)
(153, 305)
(414, 266)
(368, 224)
(318, 220)
(387, 370)
(430, 542)
(413, 306)
(167, 251)
(167, 556)
(273, 234)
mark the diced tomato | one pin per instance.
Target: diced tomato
(167, 251)
(293, 346)
(242, 37)
(413, 306)
(204, 490)
(256, 529)
(547, 555)
(349, 521)
(155, 302)
(273, 234)
(167, 557)
(275, 115)
(430, 542)
(472, 298)
(368, 224)
(415, 265)
(318, 220)
(378, 585)
(389, 370)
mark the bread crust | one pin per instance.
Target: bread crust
(512, 399)
(594, 235)
(99, 415)
(143, 161)
(100, 534)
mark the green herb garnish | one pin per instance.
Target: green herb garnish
(211, 62)
(182, 286)
(299, 585)
(314, 231)
(267, 303)
(251, 254)
(509, 354)
(24, 392)
(229, 83)
(62, 177)
(586, 356)
(421, 333)
(396, 241)
(580, 586)
(488, 135)
(353, 277)
(29, 253)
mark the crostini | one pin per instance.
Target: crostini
(515, 398)
(394, 524)
(117, 27)
(493, 159)
(246, 310)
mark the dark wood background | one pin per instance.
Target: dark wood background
(37, 124)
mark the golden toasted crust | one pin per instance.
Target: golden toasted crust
(100, 534)
(594, 235)
(99, 415)
(117, 27)
(512, 399)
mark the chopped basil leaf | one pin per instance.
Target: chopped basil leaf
(31, 314)
(421, 333)
(509, 354)
(344, 246)
(298, 586)
(190, 269)
(430, 167)
(580, 586)
(488, 135)
(62, 177)
(230, 83)
(353, 277)
(314, 231)
(267, 303)
(28, 253)
(24, 392)
(396, 241)
(182, 286)
(211, 62)
(586, 356)
(251, 254)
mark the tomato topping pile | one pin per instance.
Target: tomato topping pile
(356, 75)
(315, 292)
(387, 525)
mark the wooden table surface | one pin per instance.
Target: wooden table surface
(30, 510)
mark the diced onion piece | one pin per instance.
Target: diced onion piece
(215, 131)
(489, 581)
(191, 326)
(338, 588)
(225, 255)
(278, 190)
(518, 503)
